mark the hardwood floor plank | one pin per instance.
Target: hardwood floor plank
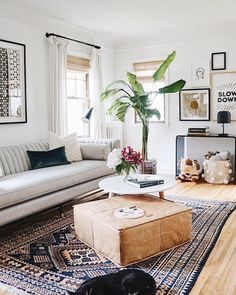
(218, 275)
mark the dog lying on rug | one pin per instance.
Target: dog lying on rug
(124, 282)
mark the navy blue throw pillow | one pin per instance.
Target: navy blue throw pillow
(39, 159)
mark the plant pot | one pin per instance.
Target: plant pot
(148, 167)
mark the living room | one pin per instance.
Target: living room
(184, 44)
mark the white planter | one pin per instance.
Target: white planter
(218, 172)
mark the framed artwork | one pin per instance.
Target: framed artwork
(12, 83)
(223, 86)
(200, 74)
(194, 104)
(218, 61)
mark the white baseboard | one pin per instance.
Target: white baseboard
(165, 170)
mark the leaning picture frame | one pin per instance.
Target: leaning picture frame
(223, 87)
(13, 104)
(194, 104)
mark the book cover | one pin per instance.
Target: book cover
(198, 129)
(145, 183)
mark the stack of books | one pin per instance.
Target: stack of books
(198, 131)
(145, 181)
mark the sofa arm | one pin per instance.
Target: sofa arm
(112, 143)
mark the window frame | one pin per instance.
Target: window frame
(86, 98)
(166, 96)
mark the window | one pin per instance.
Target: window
(77, 94)
(144, 72)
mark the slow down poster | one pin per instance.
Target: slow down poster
(223, 93)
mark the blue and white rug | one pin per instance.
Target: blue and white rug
(46, 258)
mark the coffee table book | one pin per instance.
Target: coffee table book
(144, 183)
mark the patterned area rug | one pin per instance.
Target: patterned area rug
(46, 258)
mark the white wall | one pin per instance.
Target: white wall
(162, 136)
(37, 73)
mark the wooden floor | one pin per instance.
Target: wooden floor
(218, 276)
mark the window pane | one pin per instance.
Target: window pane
(70, 74)
(71, 87)
(144, 72)
(77, 103)
(80, 88)
(159, 103)
(80, 75)
(75, 110)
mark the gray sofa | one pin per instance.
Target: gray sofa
(24, 191)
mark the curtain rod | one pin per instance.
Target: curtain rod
(78, 41)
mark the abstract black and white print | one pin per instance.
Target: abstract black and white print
(4, 83)
(12, 82)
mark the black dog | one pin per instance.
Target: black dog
(124, 282)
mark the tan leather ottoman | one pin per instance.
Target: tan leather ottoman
(165, 225)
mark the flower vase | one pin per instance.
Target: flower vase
(126, 176)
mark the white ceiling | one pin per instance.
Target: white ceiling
(133, 23)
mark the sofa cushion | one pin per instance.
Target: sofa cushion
(14, 159)
(43, 159)
(23, 186)
(70, 142)
(95, 151)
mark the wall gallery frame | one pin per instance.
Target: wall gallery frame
(200, 74)
(194, 104)
(223, 93)
(13, 107)
(218, 61)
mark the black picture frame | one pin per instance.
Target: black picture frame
(196, 91)
(22, 48)
(217, 68)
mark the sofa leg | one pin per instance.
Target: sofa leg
(61, 211)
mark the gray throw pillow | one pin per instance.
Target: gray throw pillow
(94, 151)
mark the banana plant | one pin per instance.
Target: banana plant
(132, 95)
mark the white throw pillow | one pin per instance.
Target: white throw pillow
(70, 142)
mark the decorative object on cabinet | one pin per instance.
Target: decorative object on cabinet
(223, 117)
(218, 168)
(190, 170)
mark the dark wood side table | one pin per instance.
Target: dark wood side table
(203, 144)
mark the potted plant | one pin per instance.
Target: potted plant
(132, 95)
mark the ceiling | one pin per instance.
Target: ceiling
(133, 23)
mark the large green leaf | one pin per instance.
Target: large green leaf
(121, 111)
(120, 108)
(137, 86)
(115, 87)
(153, 112)
(160, 72)
(174, 87)
(116, 103)
(109, 93)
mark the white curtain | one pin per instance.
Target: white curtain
(98, 120)
(57, 85)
